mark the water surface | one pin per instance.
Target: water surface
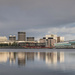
(37, 61)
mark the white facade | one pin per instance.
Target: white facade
(52, 36)
(3, 38)
(60, 39)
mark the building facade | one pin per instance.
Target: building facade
(42, 40)
(30, 38)
(50, 42)
(3, 38)
(21, 36)
(12, 38)
(52, 36)
(60, 39)
(66, 44)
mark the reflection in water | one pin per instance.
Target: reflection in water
(4, 56)
(21, 58)
(12, 57)
(51, 57)
(30, 56)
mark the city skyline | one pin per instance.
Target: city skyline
(21, 36)
(38, 17)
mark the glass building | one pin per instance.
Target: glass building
(68, 44)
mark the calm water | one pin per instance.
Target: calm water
(37, 62)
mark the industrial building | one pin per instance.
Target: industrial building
(21, 36)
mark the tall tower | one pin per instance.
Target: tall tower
(21, 36)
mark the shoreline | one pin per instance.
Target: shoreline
(13, 47)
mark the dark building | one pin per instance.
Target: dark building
(12, 38)
(30, 38)
(50, 38)
(44, 37)
(21, 36)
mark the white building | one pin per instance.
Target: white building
(3, 38)
(52, 36)
(60, 39)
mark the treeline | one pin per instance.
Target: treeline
(6, 44)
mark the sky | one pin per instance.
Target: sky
(38, 18)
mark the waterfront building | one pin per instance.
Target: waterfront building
(60, 39)
(65, 44)
(42, 40)
(30, 38)
(3, 38)
(21, 36)
(31, 44)
(50, 42)
(52, 36)
(12, 38)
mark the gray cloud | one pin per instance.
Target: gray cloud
(36, 16)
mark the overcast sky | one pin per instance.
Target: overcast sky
(38, 17)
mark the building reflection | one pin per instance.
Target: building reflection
(4, 56)
(12, 57)
(51, 57)
(21, 58)
(60, 56)
(30, 56)
(54, 57)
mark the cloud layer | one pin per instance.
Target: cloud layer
(38, 17)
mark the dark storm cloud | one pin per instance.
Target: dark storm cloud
(36, 16)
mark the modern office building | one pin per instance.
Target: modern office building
(12, 38)
(30, 38)
(50, 42)
(21, 36)
(42, 40)
(66, 44)
(52, 36)
(60, 39)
